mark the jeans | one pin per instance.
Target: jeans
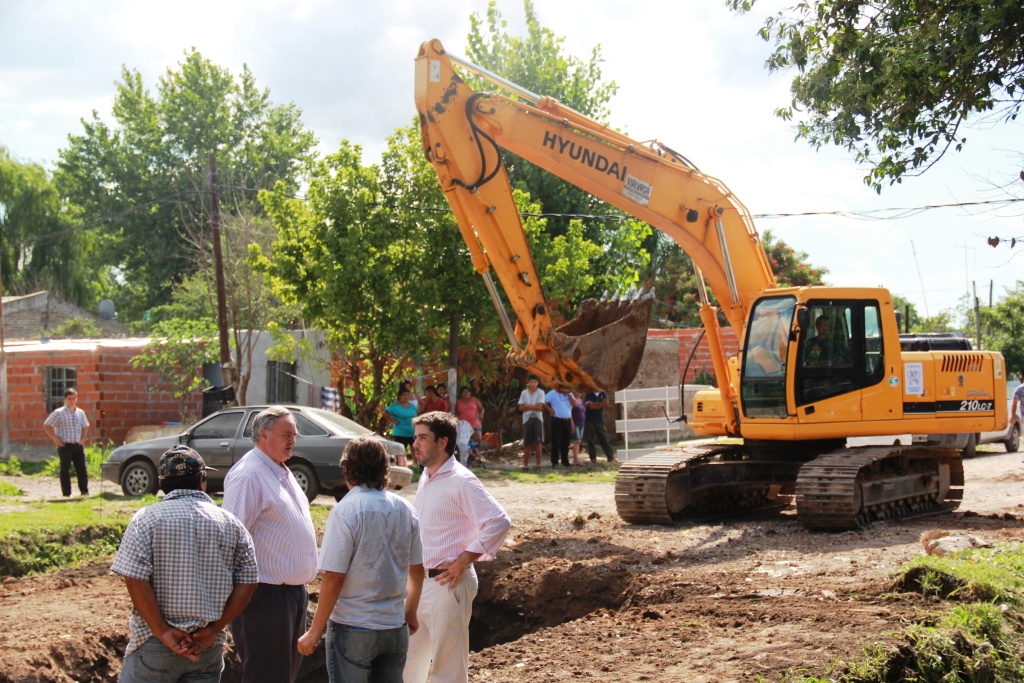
(363, 656)
(73, 453)
(153, 661)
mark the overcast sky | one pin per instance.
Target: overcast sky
(690, 73)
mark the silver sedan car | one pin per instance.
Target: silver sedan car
(224, 437)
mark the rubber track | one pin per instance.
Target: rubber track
(829, 488)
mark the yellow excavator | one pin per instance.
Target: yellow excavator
(816, 364)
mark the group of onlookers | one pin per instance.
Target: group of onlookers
(468, 411)
(572, 420)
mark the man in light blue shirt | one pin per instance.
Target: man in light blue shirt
(372, 563)
(561, 425)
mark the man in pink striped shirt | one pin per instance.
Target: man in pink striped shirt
(261, 491)
(460, 523)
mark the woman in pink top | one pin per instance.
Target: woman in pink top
(469, 408)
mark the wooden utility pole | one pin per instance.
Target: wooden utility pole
(227, 368)
(3, 368)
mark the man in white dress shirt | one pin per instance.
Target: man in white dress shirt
(460, 523)
(261, 491)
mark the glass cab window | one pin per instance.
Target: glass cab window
(763, 386)
(841, 352)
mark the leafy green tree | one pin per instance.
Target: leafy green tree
(1008, 330)
(37, 248)
(903, 305)
(351, 261)
(790, 266)
(675, 281)
(146, 173)
(895, 81)
(537, 62)
(176, 355)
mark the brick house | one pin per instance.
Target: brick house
(114, 395)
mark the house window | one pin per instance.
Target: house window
(57, 381)
(280, 382)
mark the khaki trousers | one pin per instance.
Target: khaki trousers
(440, 647)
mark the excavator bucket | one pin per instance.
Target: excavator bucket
(606, 339)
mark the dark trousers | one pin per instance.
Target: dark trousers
(561, 432)
(266, 633)
(73, 453)
(596, 430)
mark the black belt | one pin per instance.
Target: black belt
(563, 418)
(434, 573)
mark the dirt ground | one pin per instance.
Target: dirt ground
(726, 601)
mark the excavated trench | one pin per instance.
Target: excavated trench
(515, 600)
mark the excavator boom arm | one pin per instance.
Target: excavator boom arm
(463, 133)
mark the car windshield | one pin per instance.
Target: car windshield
(344, 423)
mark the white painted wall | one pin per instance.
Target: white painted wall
(311, 374)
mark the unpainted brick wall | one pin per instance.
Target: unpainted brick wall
(702, 357)
(114, 395)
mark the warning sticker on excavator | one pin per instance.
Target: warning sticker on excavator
(637, 190)
(435, 70)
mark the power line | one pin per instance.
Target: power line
(867, 214)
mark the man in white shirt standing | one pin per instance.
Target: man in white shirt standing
(66, 427)
(261, 491)
(532, 405)
(371, 551)
(460, 523)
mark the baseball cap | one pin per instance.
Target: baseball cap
(181, 461)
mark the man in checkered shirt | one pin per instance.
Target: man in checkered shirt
(66, 428)
(190, 568)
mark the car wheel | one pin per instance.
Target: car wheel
(307, 480)
(1012, 442)
(139, 478)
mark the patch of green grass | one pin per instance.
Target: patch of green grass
(71, 513)
(12, 467)
(981, 575)
(979, 635)
(94, 456)
(44, 536)
(320, 513)
(9, 490)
